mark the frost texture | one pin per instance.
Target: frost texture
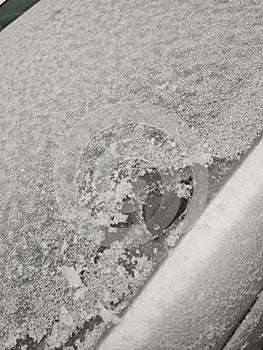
(63, 59)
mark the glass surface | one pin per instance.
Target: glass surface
(12, 9)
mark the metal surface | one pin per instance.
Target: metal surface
(208, 284)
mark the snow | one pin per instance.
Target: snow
(198, 296)
(72, 69)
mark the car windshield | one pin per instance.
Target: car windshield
(131, 168)
(11, 9)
